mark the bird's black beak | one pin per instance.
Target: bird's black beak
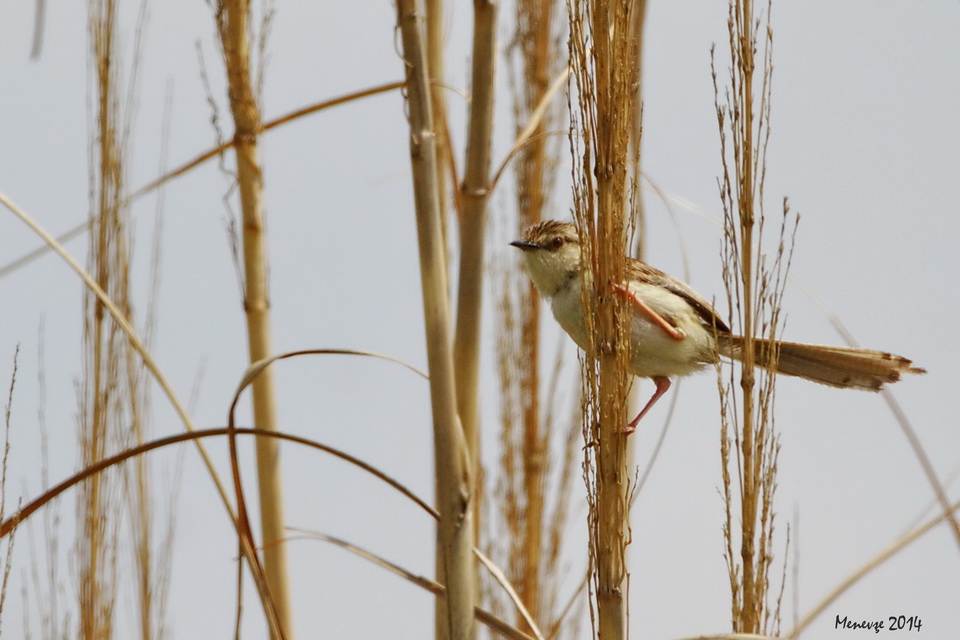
(523, 246)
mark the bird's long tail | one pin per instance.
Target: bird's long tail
(842, 367)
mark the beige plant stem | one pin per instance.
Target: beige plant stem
(473, 217)
(454, 481)
(232, 22)
(154, 369)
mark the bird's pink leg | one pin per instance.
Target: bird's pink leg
(674, 332)
(663, 383)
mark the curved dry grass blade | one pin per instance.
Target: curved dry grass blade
(879, 559)
(248, 377)
(129, 331)
(25, 512)
(502, 580)
(897, 411)
(483, 616)
(27, 258)
(247, 550)
(197, 161)
(31, 507)
(284, 119)
(257, 367)
(254, 369)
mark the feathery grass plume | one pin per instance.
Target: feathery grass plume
(115, 395)
(232, 18)
(454, 475)
(103, 396)
(603, 107)
(531, 493)
(754, 291)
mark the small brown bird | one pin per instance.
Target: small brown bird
(676, 332)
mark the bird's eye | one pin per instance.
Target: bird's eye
(556, 243)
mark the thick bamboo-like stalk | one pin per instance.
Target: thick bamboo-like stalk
(453, 473)
(473, 199)
(232, 22)
(438, 106)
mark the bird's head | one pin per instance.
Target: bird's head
(552, 253)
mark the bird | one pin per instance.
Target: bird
(675, 332)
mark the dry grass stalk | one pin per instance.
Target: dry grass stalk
(605, 73)
(233, 26)
(525, 472)
(472, 208)
(754, 291)
(115, 397)
(102, 399)
(454, 476)
(151, 365)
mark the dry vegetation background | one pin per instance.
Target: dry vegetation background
(865, 142)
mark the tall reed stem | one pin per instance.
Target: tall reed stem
(454, 475)
(474, 194)
(233, 26)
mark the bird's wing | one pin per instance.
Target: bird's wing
(645, 273)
